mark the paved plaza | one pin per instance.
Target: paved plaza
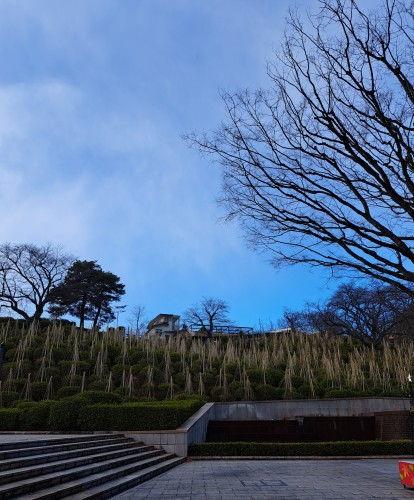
(276, 479)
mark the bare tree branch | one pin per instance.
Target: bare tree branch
(27, 275)
(319, 168)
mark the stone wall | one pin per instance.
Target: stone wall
(280, 410)
(194, 430)
(391, 425)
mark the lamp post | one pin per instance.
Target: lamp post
(406, 467)
(411, 416)
(118, 310)
(2, 351)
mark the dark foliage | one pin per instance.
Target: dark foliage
(87, 293)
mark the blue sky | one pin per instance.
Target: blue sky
(94, 98)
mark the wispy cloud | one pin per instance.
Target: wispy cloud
(94, 97)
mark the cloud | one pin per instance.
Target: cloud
(94, 97)
(145, 189)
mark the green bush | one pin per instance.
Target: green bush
(179, 379)
(331, 449)
(64, 414)
(72, 380)
(236, 391)
(265, 392)
(7, 398)
(67, 391)
(159, 415)
(255, 375)
(98, 385)
(274, 377)
(209, 379)
(33, 416)
(59, 354)
(340, 393)
(64, 366)
(9, 418)
(396, 393)
(38, 390)
(190, 397)
(135, 355)
(216, 394)
(163, 390)
(117, 372)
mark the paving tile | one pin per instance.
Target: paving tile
(278, 480)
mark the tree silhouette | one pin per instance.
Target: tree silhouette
(27, 275)
(319, 168)
(87, 293)
(207, 314)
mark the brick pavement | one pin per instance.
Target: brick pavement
(276, 479)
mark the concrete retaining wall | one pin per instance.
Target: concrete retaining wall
(195, 428)
(279, 410)
(192, 431)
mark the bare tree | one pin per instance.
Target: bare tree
(207, 314)
(295, 321)
(370, 312)
(27, 275)
(319, 168)
(138, 319)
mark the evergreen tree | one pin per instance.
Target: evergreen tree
(87, 293)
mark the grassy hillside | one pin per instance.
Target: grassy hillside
(55, 360)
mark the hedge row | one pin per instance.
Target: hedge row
(97, 410)
(137, 416)
(9, 419)
(329, 449)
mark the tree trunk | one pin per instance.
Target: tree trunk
(95, 321)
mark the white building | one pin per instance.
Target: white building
(164, 325)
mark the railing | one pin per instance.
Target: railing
(222, 329)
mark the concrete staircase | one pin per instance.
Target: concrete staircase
(91, 466)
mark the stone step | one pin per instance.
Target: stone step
(16, 463)
(47, 442)
(104, 485)
(50, 447)
(18, 488)
(62, 465)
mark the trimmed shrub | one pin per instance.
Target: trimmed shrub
(265, 392)
(74, 380)
(159, 415)
(33, 416)
(236, 391)
(9, 419)
(274, 377)
(38, 390)
(164, 389)
(190, 397)
(396, 393)
(117, 372)
(255, 375)
(340, 393)
(216, 394)
(331, 449)
(98, 385)
(67, 391)
(64, 366)
(179, 379)
(7, 398)
(64, 414)
(99, 397)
